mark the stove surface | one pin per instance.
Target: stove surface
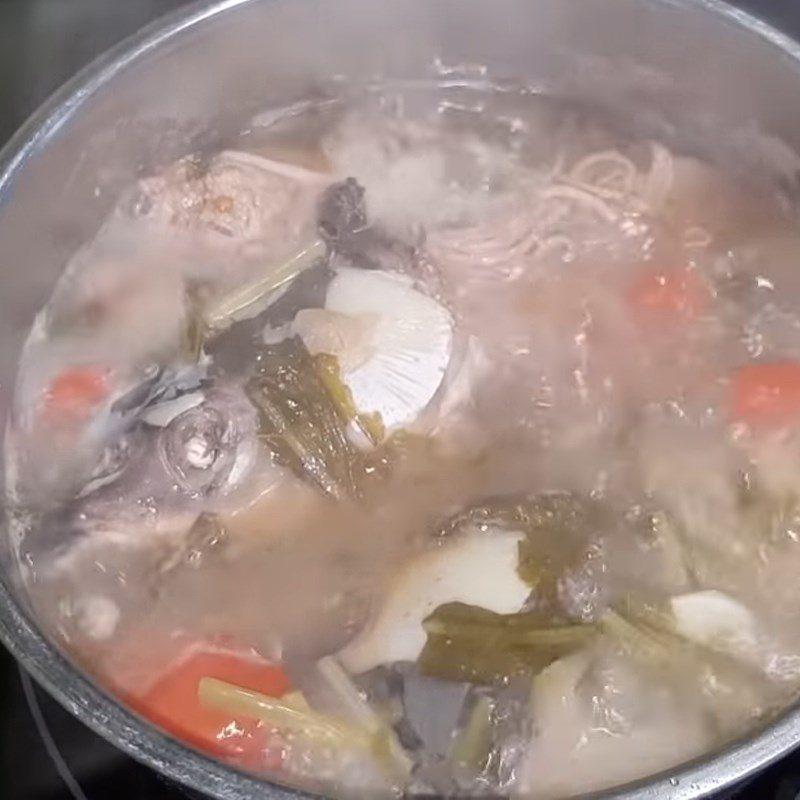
(45, 754)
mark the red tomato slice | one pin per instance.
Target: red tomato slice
(76, 391)
(766, 395)
(667, 296)
(173, 704)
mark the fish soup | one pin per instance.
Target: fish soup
(426, 440)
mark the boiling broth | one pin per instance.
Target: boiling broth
(428, 440)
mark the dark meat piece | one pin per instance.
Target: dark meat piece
(342, 212)
(344, 226)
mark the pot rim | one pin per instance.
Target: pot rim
(138, 738)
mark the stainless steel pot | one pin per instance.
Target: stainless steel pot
(696, 69)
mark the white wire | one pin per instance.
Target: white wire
(47, 738)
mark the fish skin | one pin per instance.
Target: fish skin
(147, 492)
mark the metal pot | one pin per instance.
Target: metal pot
(691, 69)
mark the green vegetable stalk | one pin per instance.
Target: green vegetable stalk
(472, 747)
(287, 717)
(472, 645)
(299, 422)
(292, 715)
(328, 370)
(248, 300)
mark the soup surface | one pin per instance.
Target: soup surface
(426, 440)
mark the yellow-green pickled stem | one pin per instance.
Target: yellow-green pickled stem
(329, 372)
(278, 714)
(235, 305)
(472, 746)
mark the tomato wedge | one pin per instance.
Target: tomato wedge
(766, 395)
(75, 392)
(667, 296)
(173, 704)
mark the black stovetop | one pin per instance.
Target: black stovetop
(42, 43)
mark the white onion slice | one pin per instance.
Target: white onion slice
(715, 619)
(477, 569)
(395, 361)
(598, 723)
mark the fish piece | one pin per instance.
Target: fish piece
(207, 449)
(197, 244)
(58, 454)
(129, 278)
(238, 195)
(161, 414)
(234, 214)
(154, 482)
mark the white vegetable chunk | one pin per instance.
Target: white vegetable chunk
(98, 616)
(715, 619)
(393, 343)
(599, 724)
(477, 569)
